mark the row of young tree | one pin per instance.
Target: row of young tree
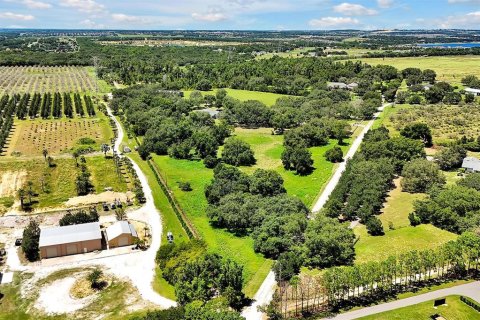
(8, 106)
(373, 282)
(35, 105)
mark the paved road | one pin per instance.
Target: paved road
(341, 168)
(471, 290)
(267, 289)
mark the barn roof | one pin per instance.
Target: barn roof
(471, 163)
(119, 228)
(69, 234)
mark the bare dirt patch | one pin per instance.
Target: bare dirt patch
(11, 182)
(55, 298)
(107, 196)
(82, 287)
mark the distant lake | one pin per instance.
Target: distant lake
(451, 45)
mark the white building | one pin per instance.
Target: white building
(475, 92)
(471, 164)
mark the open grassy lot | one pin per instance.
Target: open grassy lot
(267, 98)
(194, 204)
(19, 79)
(453, 310)
(30, 137)
(295, 53)
(398, 241)
(397, 207)
(447, 122)
(268, 149)
(55, 185)
(448, 68)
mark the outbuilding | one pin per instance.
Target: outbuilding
(69, 240)
(120, 234)
(475, 92)
(471, 164)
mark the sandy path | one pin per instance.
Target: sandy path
(11, 182)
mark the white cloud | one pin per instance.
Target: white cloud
(120, 17)
(469, 20)
(212, 15)
(89, 24)
(32, 4)
(352, 9)
(385, 3)
(89, 6)
(333, 22)
(16, 16)
(464, 1)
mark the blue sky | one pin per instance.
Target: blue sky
(240, 14)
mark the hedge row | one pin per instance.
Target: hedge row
(470, 302)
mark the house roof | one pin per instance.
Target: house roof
(340, 85)
(119, 228)
(472, 90)
(70, 234)
(471, 163)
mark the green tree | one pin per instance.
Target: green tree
(374, 226)
(238, 153)
(30, 241)
(266, 183)
(420, 175)
(334, 155)
(418, 131)
(94, 278)
(451, 157)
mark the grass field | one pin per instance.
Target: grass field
(267, 98)
(59, 181)
(397, 207)
(194, 204)
(398, 241)
(449, 68)
(453, 310)
(295, 53)
(268, 149)
(58, 136)
(446, 122)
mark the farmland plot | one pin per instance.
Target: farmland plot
(21, 79)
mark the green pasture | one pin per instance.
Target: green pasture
(448, 68)
(267, 98)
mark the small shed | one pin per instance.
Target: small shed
(475, 92)
(120, 234)
(337, 85)
(69, 240)
(471, 164)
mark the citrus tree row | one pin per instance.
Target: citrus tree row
(8, 107)
(50, 105)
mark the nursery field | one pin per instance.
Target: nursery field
(29, 79)
(30, 137)
(448, 68)
(267, 98)
(446, 122)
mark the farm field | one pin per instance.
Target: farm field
(30, 137)
(267, 98)
(295, 53)
(446, 122)
(55, 185)
(22, 79)
(448, 68)
(395, 242)
(454, 309)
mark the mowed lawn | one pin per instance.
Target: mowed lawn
(448, 68)
(267, 98)
(398, 241)
(194, 203)
(454, 309)
(268, 150)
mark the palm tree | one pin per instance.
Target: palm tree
(105, 148)
(30, 191)
(50, 161)
(94, 278)
(45, 153)
(21, 194)
(75, 155)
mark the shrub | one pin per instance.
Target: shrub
(210, 162)
(374, 226)
(414, 219)
(185, 186)
(238, 153)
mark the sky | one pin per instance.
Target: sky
(240, 14)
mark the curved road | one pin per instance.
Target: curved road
(265, 294)
(471, 290)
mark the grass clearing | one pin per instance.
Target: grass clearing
(267, 98)
(395, 242)
(58, 136)
(448, 68)
(453, 310)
